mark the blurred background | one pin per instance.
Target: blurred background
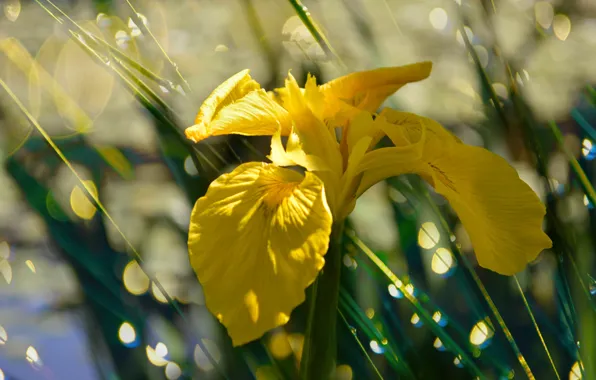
(114, 83)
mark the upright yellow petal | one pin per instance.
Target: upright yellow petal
(502, 215)
(239, 106)
(256, 241)
(312, 139)
(367, 90)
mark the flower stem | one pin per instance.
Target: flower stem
(320, 344)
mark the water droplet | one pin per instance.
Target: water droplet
(3, 336)
(12, 9)
(143, 18)
(127, 334)
(592, 286)
(173, 371)
(33, 357)
(122, 38)
(394, 291)
(588, 149)
(375, 347)
(415, 320)
(457, 362)
(353, 330)
(180, 90)
(481, 334)
(103, 20)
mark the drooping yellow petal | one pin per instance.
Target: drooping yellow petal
(239, 106)
(256, 241)
(367, 90)
(501, 213)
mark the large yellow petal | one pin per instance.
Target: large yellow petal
(502, 215)
(239, 106)
(367, 90)
(500, 212)
(256, 241)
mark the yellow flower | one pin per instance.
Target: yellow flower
(259, 236)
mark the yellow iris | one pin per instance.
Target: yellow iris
(258, 237)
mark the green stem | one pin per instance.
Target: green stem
(320, 345)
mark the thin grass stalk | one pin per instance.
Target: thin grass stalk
(361, 346)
